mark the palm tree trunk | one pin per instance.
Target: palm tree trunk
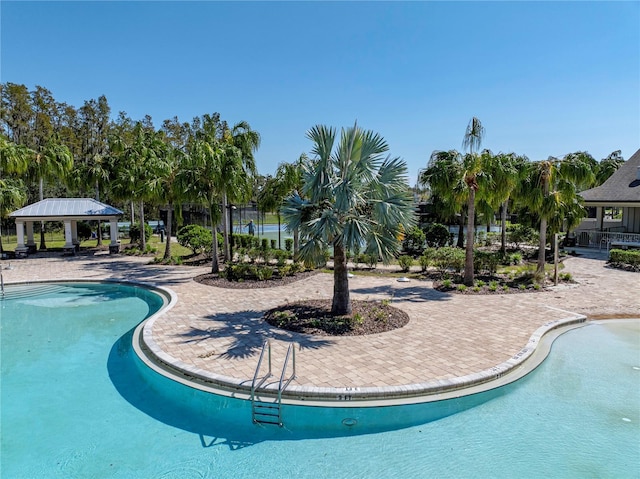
(143, 238)
(542, 251)
(503, 227)
(460, 243)
(43, 246)
(279, 233)
(167, 249)
(99, 225)
(132, 213)
(296, 242)
(215, 265)
(225, 229)
(468, 262)
(341, 304)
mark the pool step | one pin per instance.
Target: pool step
(23, 291)
(267, 413)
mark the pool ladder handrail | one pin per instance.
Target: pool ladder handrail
(262, 412)
(266, 346)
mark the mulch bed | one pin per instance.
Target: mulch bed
(214, 280)
(314, 317)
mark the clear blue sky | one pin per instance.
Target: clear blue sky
(545, 78)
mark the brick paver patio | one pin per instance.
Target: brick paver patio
(220, 331)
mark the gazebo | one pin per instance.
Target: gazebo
(69, 211)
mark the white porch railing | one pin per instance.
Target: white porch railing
(600, 239)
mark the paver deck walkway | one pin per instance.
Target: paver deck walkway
(220, 331)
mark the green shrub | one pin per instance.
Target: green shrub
(492, 238)
(273, 244)
(413, 243)
(424, 262)
(288, 244)
(281, 256)
(134, 232)
(297, 267)
(449, 258)
(436, 235)
(521, 234)
(285, 270)
(625, 258)
(264, 273)
(264, 244)
(566, 277)
(486, 261)
(493, 286)
(405, 261)
(196, 238)
(447, 283)
(462, 288)
(514, 258)
(84, 230)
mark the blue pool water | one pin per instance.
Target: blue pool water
(76, 402)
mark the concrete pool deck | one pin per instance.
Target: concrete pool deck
(452, 341)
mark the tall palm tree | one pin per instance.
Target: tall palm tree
(608, 166)
(135, 160)
(472, 168)
(173, 175)
(238, 168)
(287, 180)
(352, 196)
(203, 173)
(51, 161)
(14, 160)
(443, 176)
(550, 188)
(503, 172)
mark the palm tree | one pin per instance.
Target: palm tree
(172, 173)
(472, 168)
(443, 176)
(350, 197)
(135, 160)
(503, 172)
(51, 161)
(238, 168)
(288, 180)
(14, 160)
(550, 188)
(203, 174)
(608, 166)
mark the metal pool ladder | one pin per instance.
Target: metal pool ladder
(270, 412)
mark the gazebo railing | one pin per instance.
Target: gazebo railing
(600, 239)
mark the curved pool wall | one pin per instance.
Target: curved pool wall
(514, 368)
(215, 410)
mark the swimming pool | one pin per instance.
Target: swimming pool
(76, 402)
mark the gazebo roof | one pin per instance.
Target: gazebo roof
(623, 187)
(59, 208)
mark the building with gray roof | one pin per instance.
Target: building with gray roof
(621, 190)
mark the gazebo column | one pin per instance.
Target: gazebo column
(21, 249)
(31, 244)
(600, 218)
(74, 234)
(114, 246)
(69, 247)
